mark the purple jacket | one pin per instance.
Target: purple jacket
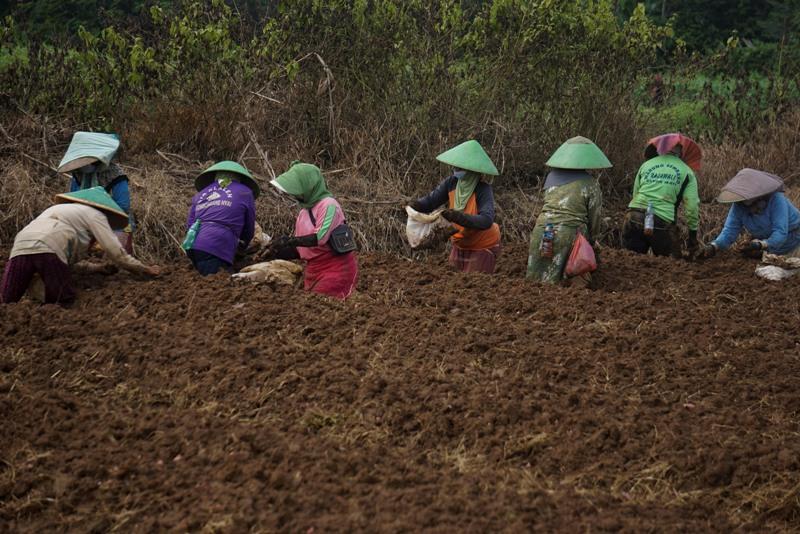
(227, 216)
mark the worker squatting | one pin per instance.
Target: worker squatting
(221, 222)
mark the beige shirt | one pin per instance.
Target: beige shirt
(66, 230)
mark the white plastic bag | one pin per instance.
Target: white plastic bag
(420, 226)
(776, 267)
(775, 273)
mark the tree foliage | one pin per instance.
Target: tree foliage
(535, 70)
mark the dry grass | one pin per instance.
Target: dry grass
(460, 457)
(371, 166)
(24, 193)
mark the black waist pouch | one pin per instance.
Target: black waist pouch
(342, 239)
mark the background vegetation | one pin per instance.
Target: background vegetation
(372, 90)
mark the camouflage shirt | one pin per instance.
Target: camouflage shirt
(574, 204)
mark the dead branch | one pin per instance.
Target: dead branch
(40, 162)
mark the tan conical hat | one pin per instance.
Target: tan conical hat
(749, 184)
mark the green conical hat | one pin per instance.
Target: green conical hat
(97, 197)
(207, 176)
(578, 153)
(469, 156)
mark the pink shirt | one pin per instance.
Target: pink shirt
(304, 226)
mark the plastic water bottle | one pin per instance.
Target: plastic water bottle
(191, 235)
(546, 247)
(649, 220)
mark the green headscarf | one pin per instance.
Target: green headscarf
(304, 182)
(225, 178)
(464, 188)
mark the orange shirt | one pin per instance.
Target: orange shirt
(469, 238)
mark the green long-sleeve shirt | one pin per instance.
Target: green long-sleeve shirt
(659, 181)
(574, 204)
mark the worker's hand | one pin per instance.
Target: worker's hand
(241, 250)
(753, 248)
(454, 216)
(707, 251)
(265, 254)
(415, 205)
(282, 242)
(153, 270)
(692, 244)
(270, 251)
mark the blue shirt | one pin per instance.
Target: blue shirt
(778, 224)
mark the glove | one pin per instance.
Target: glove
(753, 249)
(241, 250)
(274, 247)
(454, 216)
(708, 251)
(415, 205)
(282, 242)
(692, 244)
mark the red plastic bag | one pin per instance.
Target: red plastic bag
(581, 258)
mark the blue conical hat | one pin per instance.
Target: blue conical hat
(97, 197)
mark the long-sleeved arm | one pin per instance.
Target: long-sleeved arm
(74, 185)
(101, 230)
(779, 217)
(324, 226)
(435, 198)
(484, 219)
(249, 227)
(731, 230)
(192, 216)
(691, 201)
(594, 206)
(636, 182)
(121, 193)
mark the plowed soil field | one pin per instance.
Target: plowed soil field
(667, 398)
